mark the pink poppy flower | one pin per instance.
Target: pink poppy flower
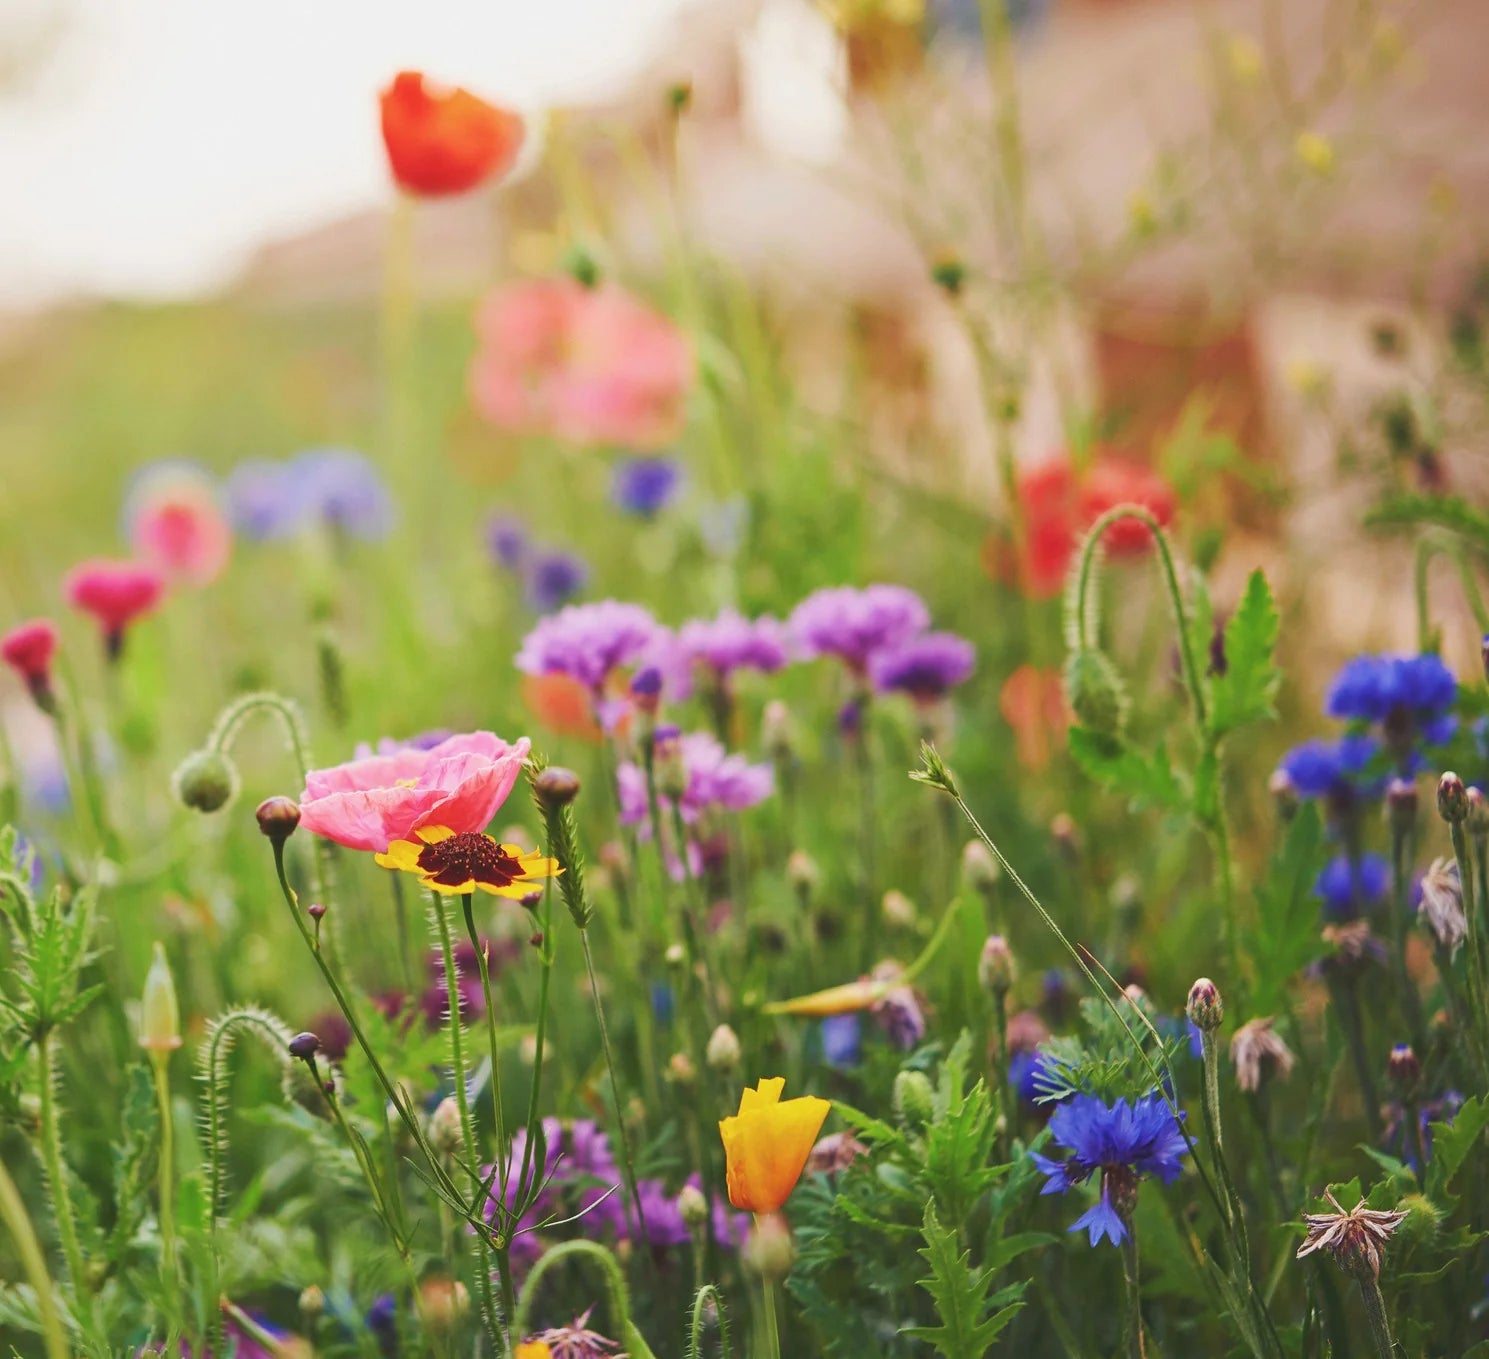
(369, 803)
(587, 365)
(28, 649)
(115, 593)
(177, 525)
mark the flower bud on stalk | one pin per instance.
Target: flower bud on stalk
(996, 969)
(723, 1051)
(1205, 1008)
(692, 1207)
(1452, 799)
(160, 1016)
(278, 818)
(205, 781)
(770, 1252)
(913, 1099)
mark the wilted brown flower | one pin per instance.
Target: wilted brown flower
(1257, 1052)
(1353, 1238)
(1442, 903)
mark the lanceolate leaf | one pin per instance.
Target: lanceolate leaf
(1245, 692)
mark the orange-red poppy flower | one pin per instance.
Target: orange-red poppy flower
(561, 705)
(1033, 703)
(766, 1145)
(445, 141)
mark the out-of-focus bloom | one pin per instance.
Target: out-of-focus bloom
(586, 365)
(507, 540)
(855, 625)
(1442, 904)
(337, 488)
(1032, 702)
(1351, 888)
(645, 486)
(1332, 770)
(733, 642)
(176, 523)
(1397, 1136)
(666, 1222)
(766, 1145)
(1355, 948)
(897, 1010)
(369, 803)
(1408, 696)
(552, 577)
(457, 863)
(575, 1342)
(1258, 1052)
(579, 1173)
(561, 705)
(445, 141)
(116, 593)
(1123, 1141)
(715, 781)
(29, 648)
(842, 1040)
(834, 1153)
(924, 667)
(588, 642)
(1353, 1238)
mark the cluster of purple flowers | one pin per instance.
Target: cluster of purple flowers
(716, 781)
(645, 486)
(334, 487)
(550, 576)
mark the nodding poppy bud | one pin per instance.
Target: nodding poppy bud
(996, 969)
(160, 1017)
(1205, 1008)
(304, 1046)
(770, 1252)
(556, 786)
(723, 1051)
(278, 817)
(692, 1207)
(1404, 1071)
(1095, 694)
(913, 1099)
(1401, 804)
(949, 274)
(205, 781)
(980, 870)
(446, 1135)
(1452, 799)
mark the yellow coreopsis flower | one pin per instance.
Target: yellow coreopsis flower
(451, 863)
(766, 1144)
(532, 1349)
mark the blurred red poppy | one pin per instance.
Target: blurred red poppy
(445, 141)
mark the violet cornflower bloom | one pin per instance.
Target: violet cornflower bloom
(342, 489)
(1409, 696)
(552, 578)
(716, 781)
(924, 667)
(1350, 889)
(733, 642)
(507, 540)
(854, 624)
(588, 642)
(645, 486)
(664, 1222)
(1332, 770)
(1123, 1142)
(579, 1171)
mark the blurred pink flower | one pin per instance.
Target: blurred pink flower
(177, 524)
(28, 648)
(587, 365)
(368, 803)
(115, 593)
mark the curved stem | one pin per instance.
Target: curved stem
(708, 1293)
(18, 1223)
(617, 1297)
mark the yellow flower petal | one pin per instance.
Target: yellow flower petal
(767, 1092)
(767, 1143)
(514, 891)
(432, 835)
(401, 854)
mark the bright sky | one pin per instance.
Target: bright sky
(163, 139)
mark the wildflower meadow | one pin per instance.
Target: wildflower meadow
(578, 817)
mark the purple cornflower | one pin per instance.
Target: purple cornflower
(507, 540)
(1350, 889)
(1029, 1073)
(842, 1040)
(1397, 1138)
(1332, 770)
(263, 500)
(386, 745)
(342, 489)
(898, 1011)
(854, 625)
(587, 642)
(664, 1221)
(924, 667)
(1407, 695)
(1123, 1141)
(733, 642)
(717, 781)
(645, 486)
(551, 578)
(579, 1172)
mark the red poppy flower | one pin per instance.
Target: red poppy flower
(445, 141)
(1116, 481)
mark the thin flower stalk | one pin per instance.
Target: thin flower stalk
(23, 1236)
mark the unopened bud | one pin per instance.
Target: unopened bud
(898, 909)
(692, 1207)
(671, 768)
(681, 1069)
(646, 690)
(1404, 1071)
(1064, 833)
(769, 1251)
(1401, 804)
(312, 1303)
(556, 787)
(316, 910)
(913, 1099)
(723, 1051)
(443, 1303)
(1478, 813)
(278, 817)
(304, 1046)
(1095, 694)
(205, 781)
(1205, 1008)
(446, 1133)
(996, 969)
(775, 731)
(1284, 794)
(160, 1017)
(980, 870)
(1452, 799)
(802, 873)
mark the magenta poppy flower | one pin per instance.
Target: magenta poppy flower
(115, 593)
(28, 649)
(369, 803)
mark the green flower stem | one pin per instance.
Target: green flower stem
(1132, 1312)
(483, 965)
(545, 958)
(863, 762)
(23, 1235)
(1347, 1005)
(1478, 987)
(1210, 1057)
(468, 1130)
(1403, 854)
(698, 1322)
(62, 1206)
(617, 1297)
(768, 1325)
(1375, 1311)
(160, 1061)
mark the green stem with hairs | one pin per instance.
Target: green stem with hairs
(62, 1206)
(708, 1293)
(1132, 1312)
(1375, 1311)
(617, 1297)
(18, 1223)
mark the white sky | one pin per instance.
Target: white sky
(163, 139)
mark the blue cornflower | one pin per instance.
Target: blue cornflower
(552, 578)
(263, 500)
(342, 488)
(1032, 1075)
(1123, 1141)
(1348, 890)
(1407, 695)
(842, 1040)
(1331, 769)
(645, 486)
(507, 540)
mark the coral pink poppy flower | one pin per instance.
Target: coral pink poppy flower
(369, 803)
(29, 648)
(116, 593)
(1033, 703)
(177, 525)
(587, 365)
(445, 141)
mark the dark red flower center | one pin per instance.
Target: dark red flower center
(469, 857)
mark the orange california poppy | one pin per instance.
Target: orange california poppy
(766, 1145)
(445, 141)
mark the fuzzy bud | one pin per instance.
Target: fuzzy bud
(692, 1207)
(898, 910)
(723, 1051)
(278, 817)
(1094, 691)
(1452, 799)
(205, 781)
(770, 1252)
(980, 870)
(681, 1070)
(1205, 1008)
(1404, 1071)
(446, 1135)
(316, 910)
(304, 1046)
(556, 787)
(1401, 805)
(996, 969)
(913, 1099)
(160, 1016)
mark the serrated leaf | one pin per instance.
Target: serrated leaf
(968, 1327)
(1245, 693)
(1452, 1142)
(1284, 937)
(1145, 780)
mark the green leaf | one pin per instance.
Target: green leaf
(1247, 690)
(1146, 781)
(1452, 1142)
(1284, 937)
(970, 1319)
